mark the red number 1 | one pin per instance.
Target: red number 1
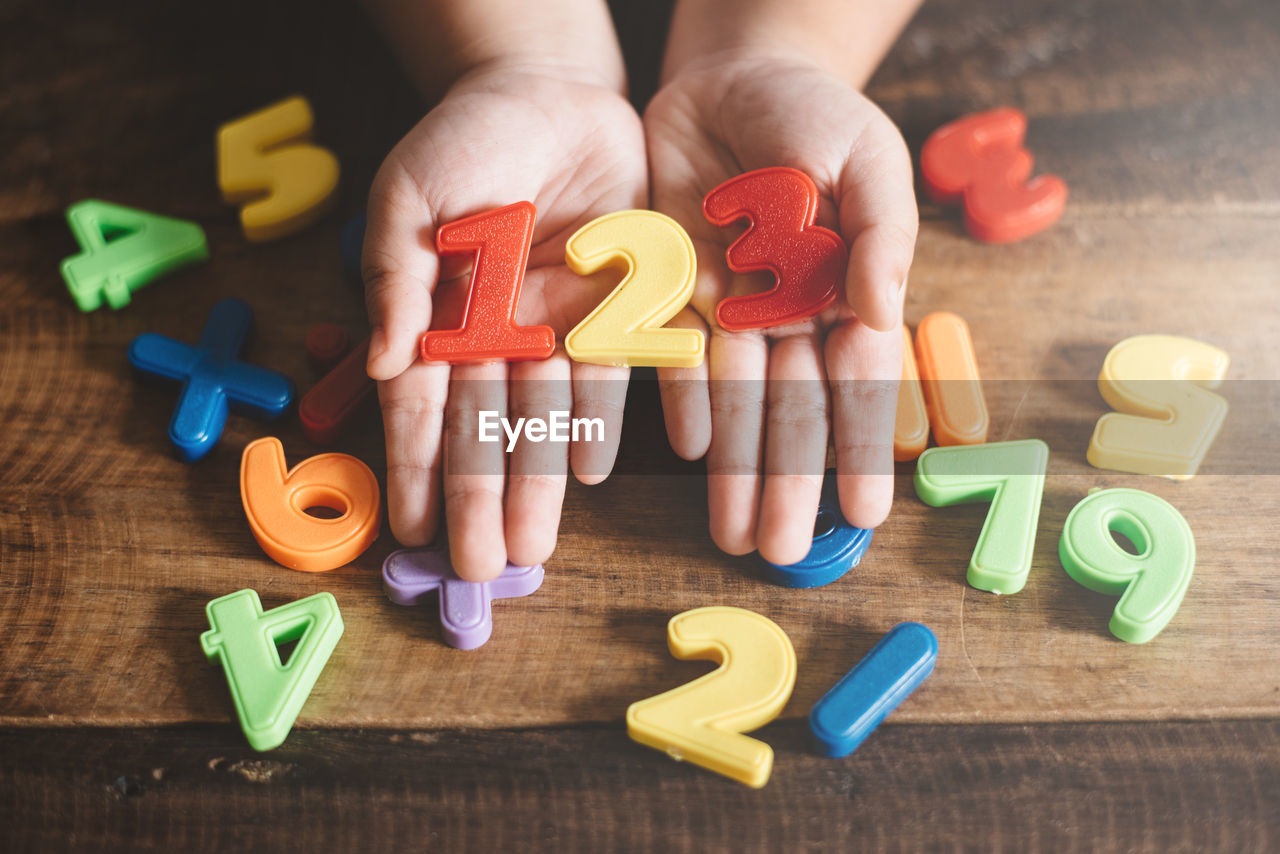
(500, 240)
(808, 261)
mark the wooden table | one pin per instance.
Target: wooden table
(1038, 730)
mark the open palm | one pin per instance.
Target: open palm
(576, 151)
(764, 404)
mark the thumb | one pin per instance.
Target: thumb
(399, 266)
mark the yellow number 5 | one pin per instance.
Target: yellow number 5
(703, 721)
(1165, 418)
(266, 159)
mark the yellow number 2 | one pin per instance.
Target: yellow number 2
(703, 721)
(1165, 418)
(266, 160)
(658, 263)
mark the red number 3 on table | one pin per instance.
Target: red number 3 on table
(808, 261)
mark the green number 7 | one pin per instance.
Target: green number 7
(1011, 476)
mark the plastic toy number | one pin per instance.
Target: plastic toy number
(980, 159)
(268, 693)
(122, 249)
(808, 261)
(659, 269)
(876, 685)
(276, 502)
(837, 546)
(500, 240)
(1165, 419)
(333, 403)
(911, 425)
(266, 160)
(703, 721)
(952, 387)
(1011, 476)
(1152, 582)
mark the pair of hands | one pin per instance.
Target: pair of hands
(577, 150)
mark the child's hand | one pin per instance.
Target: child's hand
(506, 131)
(744, 109)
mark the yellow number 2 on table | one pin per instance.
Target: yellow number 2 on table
(703, 721)
(658, 264)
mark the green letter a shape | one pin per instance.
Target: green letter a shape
(268, 694)
(123, 249)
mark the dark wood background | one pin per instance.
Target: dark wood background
(1038, 730)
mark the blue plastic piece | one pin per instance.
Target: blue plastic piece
(837, 546)
(212, 378)
(350, 245)
(865, 696)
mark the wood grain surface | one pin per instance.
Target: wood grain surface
(1161, 115)
(1162, 787)
(112, 546)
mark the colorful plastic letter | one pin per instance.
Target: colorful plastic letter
(952, 386)
(703, 721)
(1152, 582)
(351, 247)
(212, 378)
(276, 501)
(1011, 476)
(911, 427)
(980, 159)
(876, 685)
(807, 261)
(659, 266)
(1160, 383)
(410, 576)
(266, 160)
(500, 240)
(837, 546)
(123, 249)
(334, 403)
(268, 693)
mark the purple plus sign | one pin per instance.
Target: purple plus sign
(410, 575)
(212, 377)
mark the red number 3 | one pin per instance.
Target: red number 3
(808, 261)
(980, 159)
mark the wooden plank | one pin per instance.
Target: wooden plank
(1143, 107)
(1098, 787)
(110, 547)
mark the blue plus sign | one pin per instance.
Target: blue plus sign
(212, 378)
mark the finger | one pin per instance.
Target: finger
(686, 402)
(736, 366)
(878, 218)
(538, 471)
(475, 472)
(863, 370)
(795, 449)
(399, 266)
(412, 419)
(599, 392)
